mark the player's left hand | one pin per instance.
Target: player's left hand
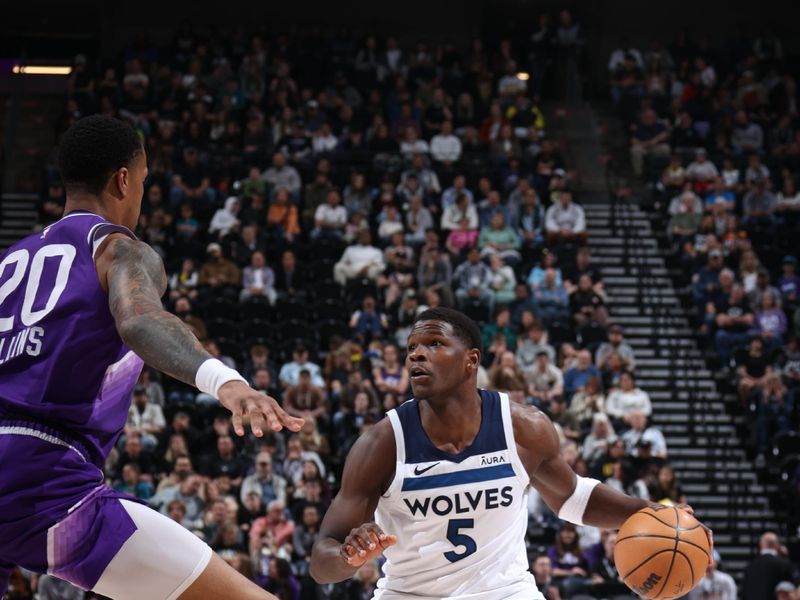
(243, 401)
(709, 533)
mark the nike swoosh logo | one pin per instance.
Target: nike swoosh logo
(418, 471)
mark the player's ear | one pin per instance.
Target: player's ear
(121, 180)
(473, 359)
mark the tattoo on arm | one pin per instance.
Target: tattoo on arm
(136, 282)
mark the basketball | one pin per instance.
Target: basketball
(661, 552)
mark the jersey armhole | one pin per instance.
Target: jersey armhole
(400, 454)
(508, 429)
(99, 232)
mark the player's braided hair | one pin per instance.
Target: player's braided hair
(92, 149)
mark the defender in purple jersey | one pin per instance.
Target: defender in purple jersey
(80, 313)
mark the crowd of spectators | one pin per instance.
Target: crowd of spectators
(715, 131)
(309, 199)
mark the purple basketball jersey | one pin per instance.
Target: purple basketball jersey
(62, 361)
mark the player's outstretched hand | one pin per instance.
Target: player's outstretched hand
(243, 401)
(365, 543)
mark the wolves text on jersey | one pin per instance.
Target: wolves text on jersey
(461, 502)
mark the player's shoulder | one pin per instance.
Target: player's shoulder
(122, 254)
(371, 461)
(533, 429)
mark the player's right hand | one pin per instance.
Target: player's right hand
(365, 543)
(243, 401)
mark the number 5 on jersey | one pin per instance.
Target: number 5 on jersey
(455, 537)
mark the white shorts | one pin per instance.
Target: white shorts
(158, 562)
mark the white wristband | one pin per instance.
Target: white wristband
(213, 374)
(572, 510)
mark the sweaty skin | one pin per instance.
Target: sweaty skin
(443, 373)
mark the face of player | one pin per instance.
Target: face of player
(438, 362)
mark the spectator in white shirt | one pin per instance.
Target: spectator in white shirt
(411, 144)
(145, 418)
(640, 432)
(446, 147)
(628, 398)
(225, 219)
(359, 260)
(565, 221)
(324, 140)
(462, 209)
(330, 218)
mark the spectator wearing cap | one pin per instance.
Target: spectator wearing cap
(786, 590)
(220, 274)
(640, 432)
(715, 583)
(649, 139)
(290, 372)
(264, 482)
(705, 283)
(616, 344)
(282, 175)
(362, 259)
(764, 573)
(145, 418)
(565, 221)
(368, 323)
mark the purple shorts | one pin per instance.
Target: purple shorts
(56, 515)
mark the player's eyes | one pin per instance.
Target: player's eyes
(436, 343)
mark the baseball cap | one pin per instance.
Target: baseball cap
(139, 389)
(716, 252)
(212, 247)
(785, 586)
(789, 260)
(559, 172)
(616, 328)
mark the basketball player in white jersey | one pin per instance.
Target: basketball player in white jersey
(446, 477)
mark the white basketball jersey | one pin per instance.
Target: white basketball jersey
(460, 519)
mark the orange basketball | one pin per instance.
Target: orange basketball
(661, 552)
